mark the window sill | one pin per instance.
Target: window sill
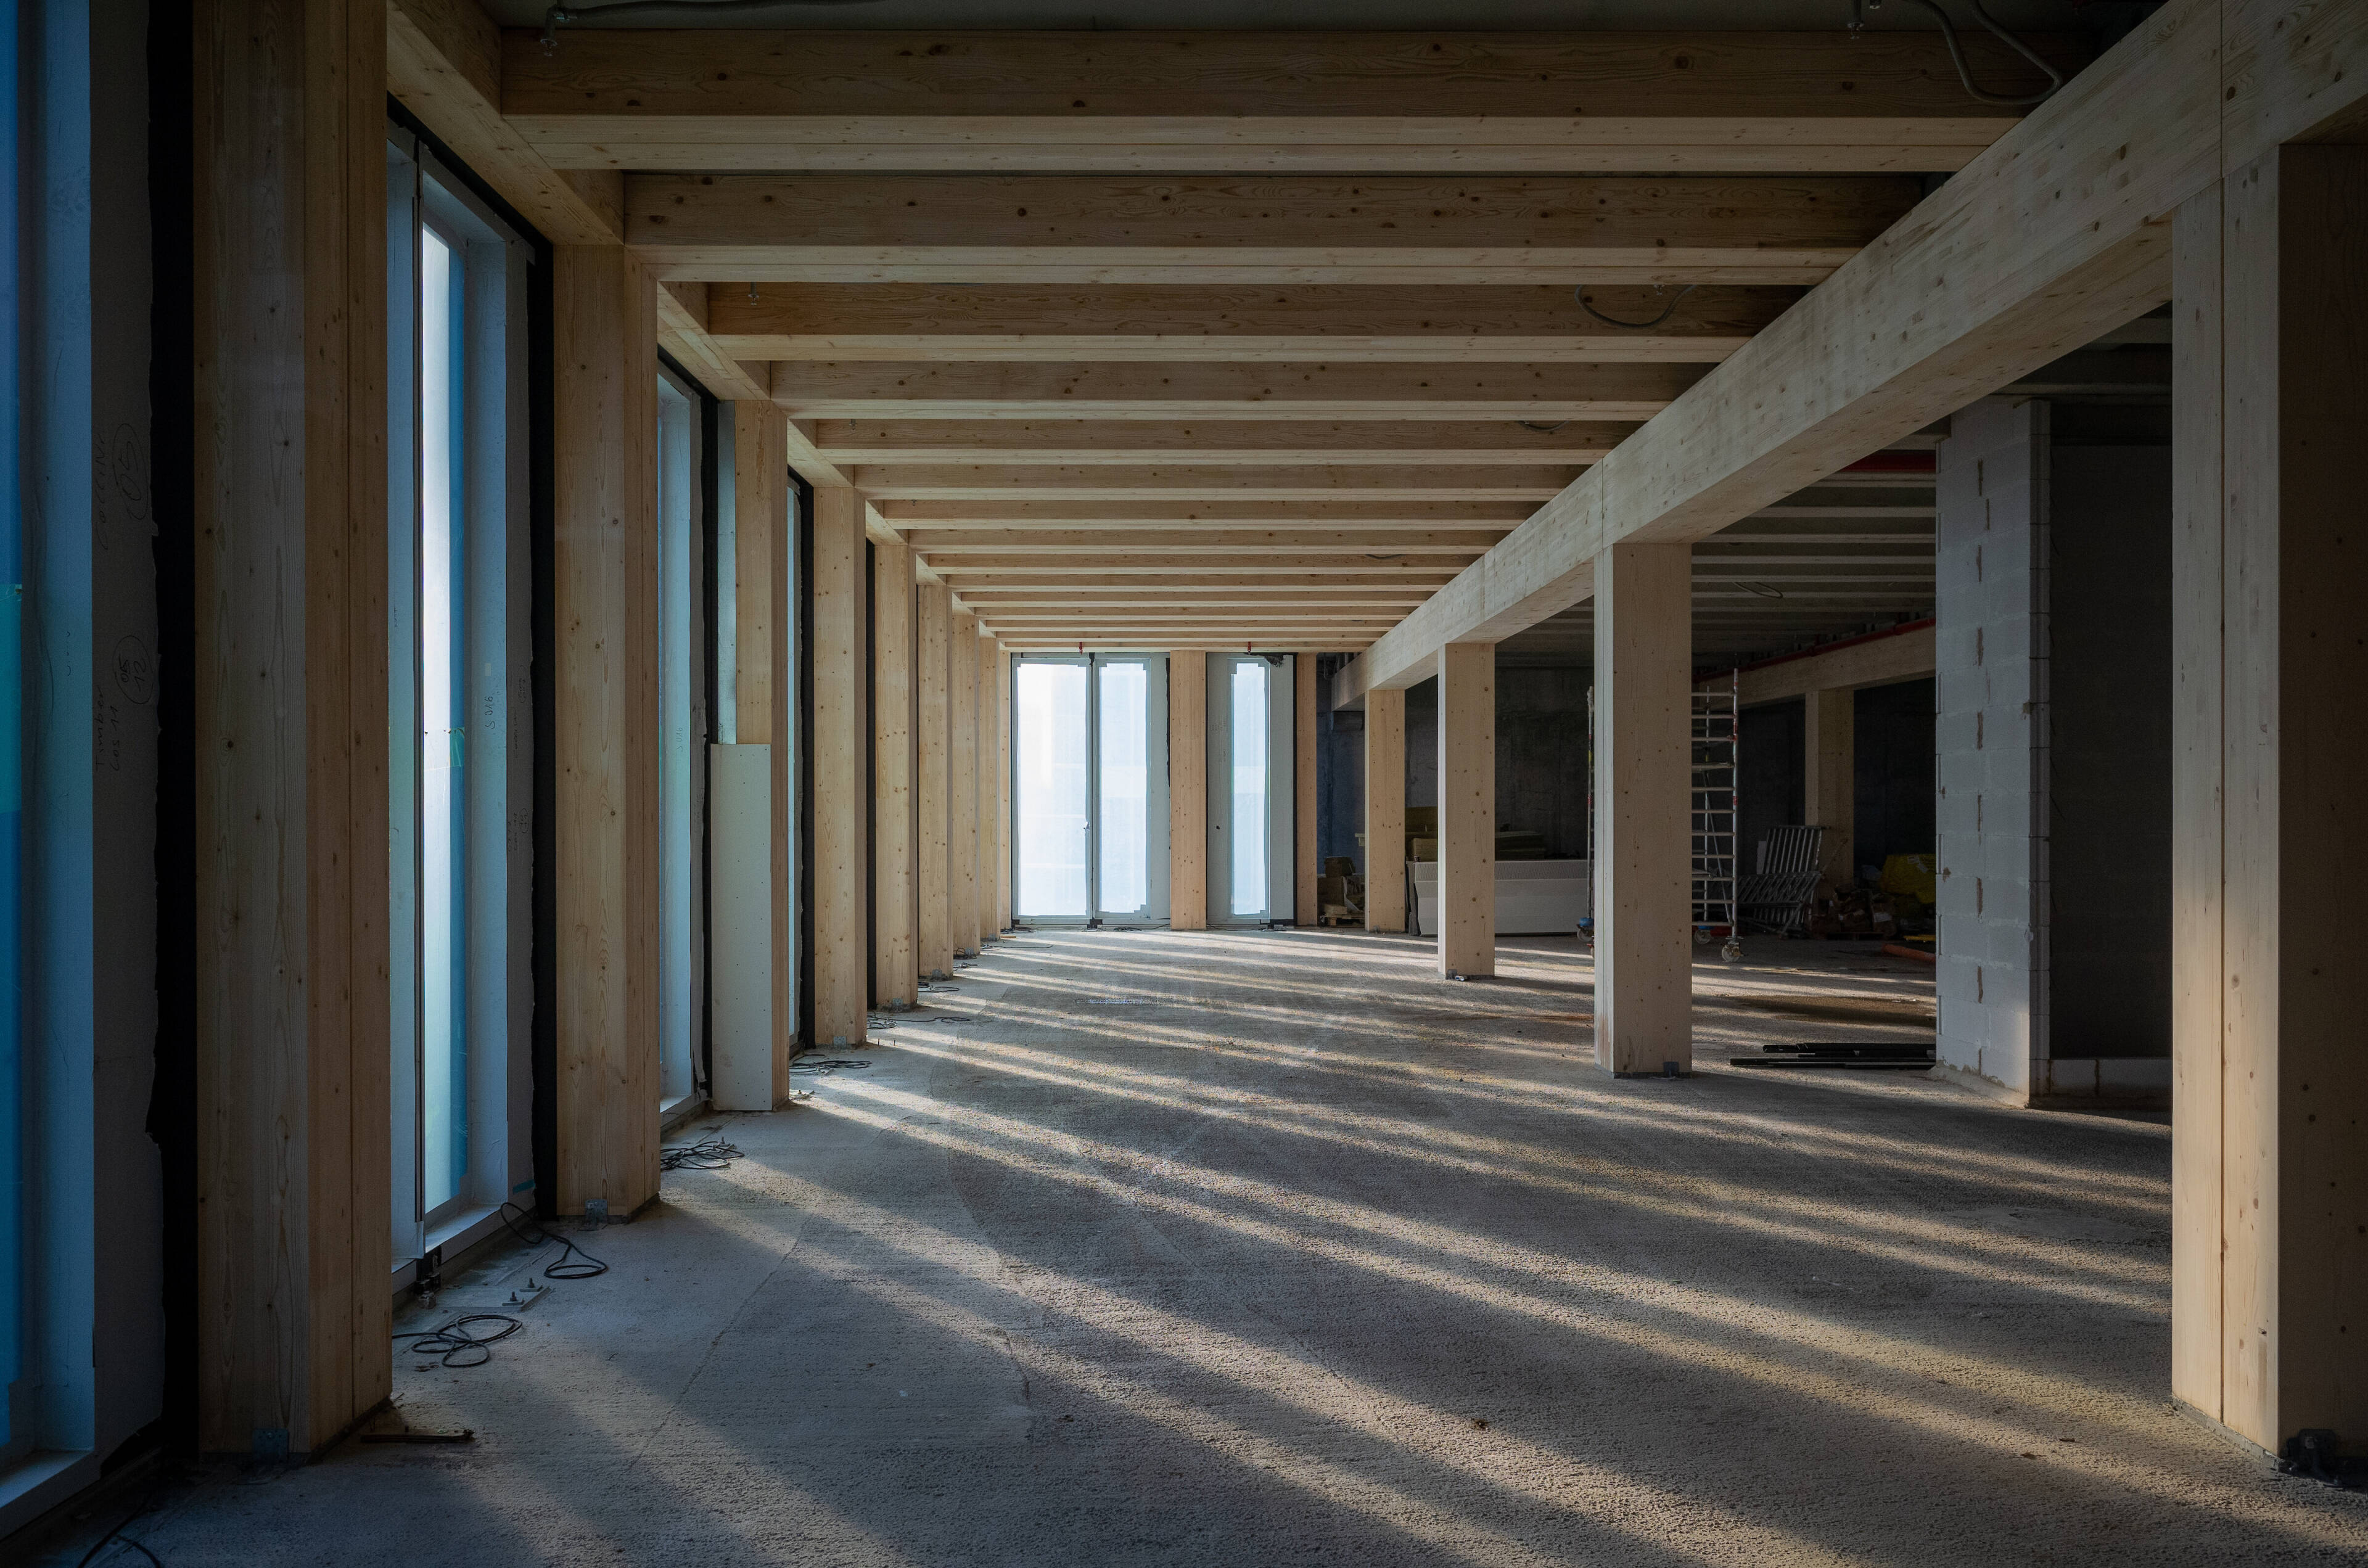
(458, 1235)
(39, 1482)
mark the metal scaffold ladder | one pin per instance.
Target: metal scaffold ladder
(1717, 745)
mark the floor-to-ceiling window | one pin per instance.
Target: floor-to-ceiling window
(1250, 793)
(456, 328)
(682, 695)
(1089, 800)
(12, 712)
(443, 737)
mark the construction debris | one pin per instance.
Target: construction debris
(1873, 1056)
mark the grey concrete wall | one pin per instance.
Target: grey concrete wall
(1542, 754)
(2054, 762)
(1892, 771)
(1541, 758)
(1422, 744)
(1991, 743)
(2109, 933)
(1339, 768)
(1771, 773)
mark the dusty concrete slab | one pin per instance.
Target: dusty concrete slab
(1251, 1248)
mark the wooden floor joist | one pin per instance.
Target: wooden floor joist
(1255, 100)
(1534, 324)
(1188, 579)
(1349, 390)
(1224, 442)
(1194, 481)
(954, 545)
(1387, 229)
(967, 568)
(1190, 512)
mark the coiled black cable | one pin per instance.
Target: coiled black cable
(455, 1338)
(533, 1235)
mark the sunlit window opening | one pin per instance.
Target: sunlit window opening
(443, 740)
(683, 746)
(1050, 747)
(1123, 824)
(1249, 695)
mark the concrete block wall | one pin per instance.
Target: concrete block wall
(1991, 740)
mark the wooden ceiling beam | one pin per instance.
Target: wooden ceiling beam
(1097, 483)
(1252, 101)
(1188, 513)
(953, 547)
(682, 332)
(1017, 390)
(2055, 235)
(999, 321)
(1045, 620)
(1383, 228)
(444, 65)
(1107, 601)
(1187, 579)
(1347, 563)
(1279, 642)
(1226, 441)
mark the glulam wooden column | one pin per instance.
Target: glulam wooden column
(1467, 809)
(290, 677)
(2269, 744)
(1385, 845)
(1305, 911)
(895, 973)
(933, 813)
(1188, 790)
(606, 726)
(760, 534)
(962, 783)
(1644, 682)
(1830, 781)
(1006, 829)
(991, 855)
(842, 784)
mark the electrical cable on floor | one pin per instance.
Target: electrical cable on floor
(710, 1154)
(117, 1538)
(826, 1065)
(454, 1339)
(533, 1235)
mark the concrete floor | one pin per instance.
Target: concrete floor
(1251, 1248)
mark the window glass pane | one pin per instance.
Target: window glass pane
(1125, 807)
(1249, 822)
(443, 838)
(1049, 747)
(12, 593)
(677, 669)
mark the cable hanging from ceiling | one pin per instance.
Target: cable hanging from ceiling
(559, 17)
(1957, 52)
(1579, 294)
